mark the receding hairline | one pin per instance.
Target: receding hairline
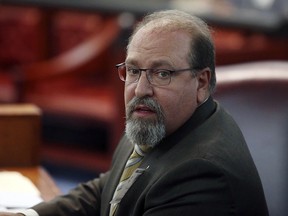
(174, 20)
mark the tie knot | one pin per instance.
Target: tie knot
(141, 150)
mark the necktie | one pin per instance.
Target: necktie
(132, 164)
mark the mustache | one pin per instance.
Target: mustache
(146, 101)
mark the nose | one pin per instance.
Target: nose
(143, 86)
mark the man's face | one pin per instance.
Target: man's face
(169, 50)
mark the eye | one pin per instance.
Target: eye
(162, 74)
(133, 72)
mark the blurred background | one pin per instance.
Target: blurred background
(61, 56)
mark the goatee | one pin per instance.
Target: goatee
(142, 131)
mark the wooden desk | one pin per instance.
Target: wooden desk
(40, 178)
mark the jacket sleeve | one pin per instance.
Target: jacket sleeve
(83, 200)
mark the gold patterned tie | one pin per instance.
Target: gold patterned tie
(132, 164)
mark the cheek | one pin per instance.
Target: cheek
(178, 108)
(128, 94)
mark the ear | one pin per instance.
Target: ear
(203, 77)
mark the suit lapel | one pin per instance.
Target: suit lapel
(123, 153)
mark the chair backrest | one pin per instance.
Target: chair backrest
(22, 35)
(256, 95)
(19, 135)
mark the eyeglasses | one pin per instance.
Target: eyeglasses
(156, 77)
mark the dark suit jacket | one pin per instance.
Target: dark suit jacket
(203, 169)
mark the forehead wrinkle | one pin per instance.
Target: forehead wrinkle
(134, 56)
(139, 40)
(143, 43)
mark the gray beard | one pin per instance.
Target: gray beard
(148, 132)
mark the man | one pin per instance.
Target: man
(191, 156)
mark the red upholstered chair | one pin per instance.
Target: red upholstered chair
(22, 40)
(80, 84)
(256, 94)
(236, 45)
(69, 28)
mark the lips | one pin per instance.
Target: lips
(143, 108)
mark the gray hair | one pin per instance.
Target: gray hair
(202, 52)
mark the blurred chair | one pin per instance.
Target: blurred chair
(77, 86)
(256, 95)
(69, 28)
(80, 84)
(20, 135)
(22, 40)
(239, 45)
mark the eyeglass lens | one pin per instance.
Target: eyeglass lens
(155, 76)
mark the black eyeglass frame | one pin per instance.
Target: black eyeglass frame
(151, 69)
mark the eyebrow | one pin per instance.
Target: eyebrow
(155, 64)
